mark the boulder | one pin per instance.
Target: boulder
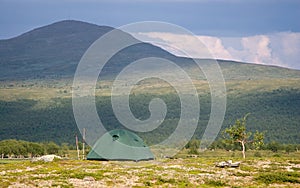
(46, 158)
(229, 163)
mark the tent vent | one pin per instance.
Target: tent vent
(115, 137)
(136, 140)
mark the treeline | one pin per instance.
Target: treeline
(23, 149)
(277, 112)
(194, 144)
(272, 146)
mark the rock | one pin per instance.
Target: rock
(88, 178)
(227, 164)
(46, 158)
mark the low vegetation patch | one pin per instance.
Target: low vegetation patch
(180, 172)
(215, 183)
(278, 177)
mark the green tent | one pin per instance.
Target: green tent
(120, 144)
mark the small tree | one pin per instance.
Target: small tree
(273, 146)
(238, 133)
(51, 148)
(290, 148)
(193, 146)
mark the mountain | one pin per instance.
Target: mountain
(53, 51)
(35, 88)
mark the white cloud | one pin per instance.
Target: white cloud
(281, 49)
(291, 43)
(215, 47)
(178, 44)
(255, 49)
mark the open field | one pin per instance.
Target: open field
(47, 90)
(271, 170)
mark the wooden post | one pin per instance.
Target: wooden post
(78, 157)
(83, 142)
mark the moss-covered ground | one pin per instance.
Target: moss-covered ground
(280, 170)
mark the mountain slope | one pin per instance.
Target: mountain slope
(53, 51)
(33, 107)
(56, 47)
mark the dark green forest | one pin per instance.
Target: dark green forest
(277, 112)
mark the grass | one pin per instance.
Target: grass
(279, 177)
(215, 183)
(47, 90)
(181, 172)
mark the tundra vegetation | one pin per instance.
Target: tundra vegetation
(42, 114)
(36, 106)
(268, 169)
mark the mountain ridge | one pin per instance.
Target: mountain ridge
(54, 51)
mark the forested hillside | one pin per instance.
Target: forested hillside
(37, 71)
(277, 112)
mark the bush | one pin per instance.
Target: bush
(215, 183)
(290, 148)
(193, 146)
(276, 155)
(20, 148)
(257, 154)
(278, 177)
(273, 146)
(51, 148)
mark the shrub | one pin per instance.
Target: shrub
(241, 174)
(161, 181)
(273, 146)
(215, 183)
(193, 146)
(276, 155)
(278, 177)
(290, 148)
(257, 154)
(295, 161)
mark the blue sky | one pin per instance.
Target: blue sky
(229, 21)
(204, 17)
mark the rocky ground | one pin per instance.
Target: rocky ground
(189, 172)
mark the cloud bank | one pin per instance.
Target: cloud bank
(280, 49)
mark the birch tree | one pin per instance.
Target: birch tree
(238, 133)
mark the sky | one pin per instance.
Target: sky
(264, 32)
